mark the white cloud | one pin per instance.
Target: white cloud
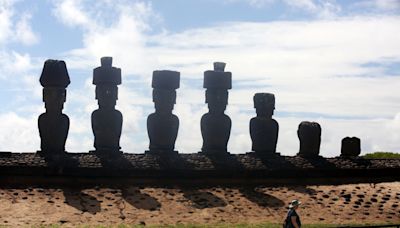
(24, 32)
(381, 5)
(70, 13)
(109, 30)
(15, 26)
(18, 133)
(5, 20)
(312, 67)
(315, 68)
(319, 8)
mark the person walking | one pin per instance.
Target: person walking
(292, 219)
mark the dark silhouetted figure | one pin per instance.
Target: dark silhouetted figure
(215, 125)
(263, 129)
(162, 125)
(106, 121)
(53, 124)
(310, 139)
(351, 147)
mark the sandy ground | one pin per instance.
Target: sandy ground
(340, 204)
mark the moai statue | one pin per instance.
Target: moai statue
(310, 139)
(351, 147)
(107, 121)
(53, 124)
(215, 125)
(263, 129)
(162, 125)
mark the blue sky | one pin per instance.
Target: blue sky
(334, 62)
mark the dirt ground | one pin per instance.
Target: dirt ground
(339, 204)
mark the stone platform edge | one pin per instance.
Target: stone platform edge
(191, 167)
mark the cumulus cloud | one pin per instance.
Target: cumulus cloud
(380, 5)
(18, 133)
(315, 68)
(15, 26)
(319, 70)
(318, 8)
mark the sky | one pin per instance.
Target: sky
(333, 62)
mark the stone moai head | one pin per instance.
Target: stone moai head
(264, 103)
(217, 82)
(164, 84)
(309, 134)
(54, 79)
(106, 78)
(351, 147)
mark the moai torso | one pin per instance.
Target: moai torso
(215, 130)
(310, 139)
(351, 147)
(264, 134)
(162, 131)
(53, 132)
(263, 129)
(53, 124)
(163, 125)
(216, 125)
(107, 121)
(107, 126)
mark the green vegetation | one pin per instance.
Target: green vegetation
(382, 155)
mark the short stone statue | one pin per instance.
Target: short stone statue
(162, 125)
(263, 129)
(215, 125)
(53, 124)
(107, 121)
(309, 134)
(351, 147)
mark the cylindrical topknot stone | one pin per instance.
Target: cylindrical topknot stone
(54, 74)
(165, 79)
(106, 73)
(217, 78)
(264, 98)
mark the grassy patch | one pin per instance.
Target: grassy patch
(382, 155)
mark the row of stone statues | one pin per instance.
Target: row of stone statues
(163, 125)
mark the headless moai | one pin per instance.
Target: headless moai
(53, 124)
(163, 125)
(263, 129)
(309, 134)
(215, 125)
(107, 121)
(351, 147)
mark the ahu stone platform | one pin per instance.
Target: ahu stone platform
(197, 167)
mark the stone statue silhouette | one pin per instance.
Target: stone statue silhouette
(216, 125)
(106, 121)
(263, 129)
(53, 124)
(163, 125)
(351, 147)
(310, 139)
